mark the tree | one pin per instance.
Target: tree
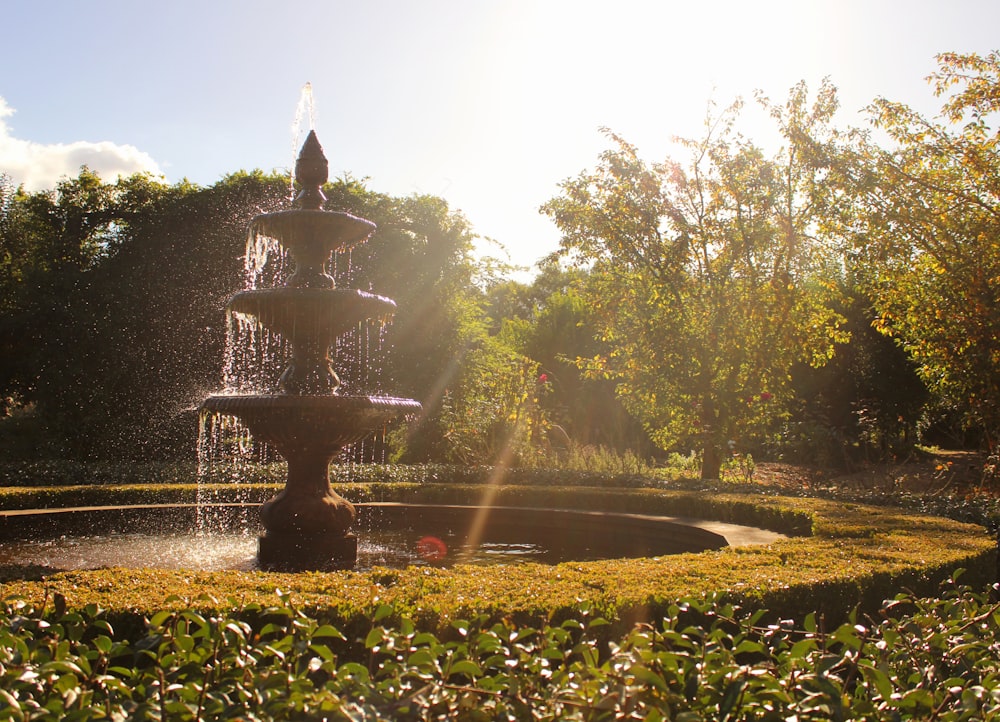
(144, 330)
(49, 243)
(17, 256)
(421, 257)
(927, 234)
(706, 279)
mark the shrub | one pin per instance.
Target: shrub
(701, 659)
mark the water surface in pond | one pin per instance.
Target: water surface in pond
(389, 534)
(215, 551)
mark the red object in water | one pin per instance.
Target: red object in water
(432, 548)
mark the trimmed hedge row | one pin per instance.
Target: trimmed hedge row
(65, 472)
(855, 555)
(738, 509)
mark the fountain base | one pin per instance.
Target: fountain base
(296, 552)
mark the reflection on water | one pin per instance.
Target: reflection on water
(214, 551)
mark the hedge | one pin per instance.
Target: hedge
(838, 556)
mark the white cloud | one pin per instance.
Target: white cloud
(39, 167)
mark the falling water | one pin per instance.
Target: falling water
(266, 263)
(225, 449)
(255, 358)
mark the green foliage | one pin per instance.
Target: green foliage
(702, 659)
(596, 460)
(511, 395)
(596, 469)
(738, 467)
(707, 281)
(420, 256)
(926, 230)
(866, 404)
(117, 309)
(490, 413)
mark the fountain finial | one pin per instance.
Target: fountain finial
(311, 172)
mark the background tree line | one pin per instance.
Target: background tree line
(833, 300)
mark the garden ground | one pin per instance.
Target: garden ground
(927, 471)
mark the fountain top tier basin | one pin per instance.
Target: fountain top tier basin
(337, 230)
(308, 232)
(311, 236)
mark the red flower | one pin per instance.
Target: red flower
(543, 378)
(765, 396)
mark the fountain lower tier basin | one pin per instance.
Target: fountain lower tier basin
(316, 314)
(224, 536)
(319, 423)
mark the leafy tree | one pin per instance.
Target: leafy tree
(49, 243)
(149, 332)
(420, 256)
(489, 412)
(17, 255)
(927, 232)
(706, 280)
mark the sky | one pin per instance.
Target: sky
(487, 103)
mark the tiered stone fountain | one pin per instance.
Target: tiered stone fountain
(307, 525)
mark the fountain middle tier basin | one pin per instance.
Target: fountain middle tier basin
(301, 314)
(314, 422)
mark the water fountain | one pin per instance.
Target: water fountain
(307, 525)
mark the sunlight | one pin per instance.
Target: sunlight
(493, 483)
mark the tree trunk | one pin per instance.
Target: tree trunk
(711, 460)
(713, 423)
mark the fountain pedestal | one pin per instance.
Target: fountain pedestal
(308, 524)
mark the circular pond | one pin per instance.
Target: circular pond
(224, 536)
